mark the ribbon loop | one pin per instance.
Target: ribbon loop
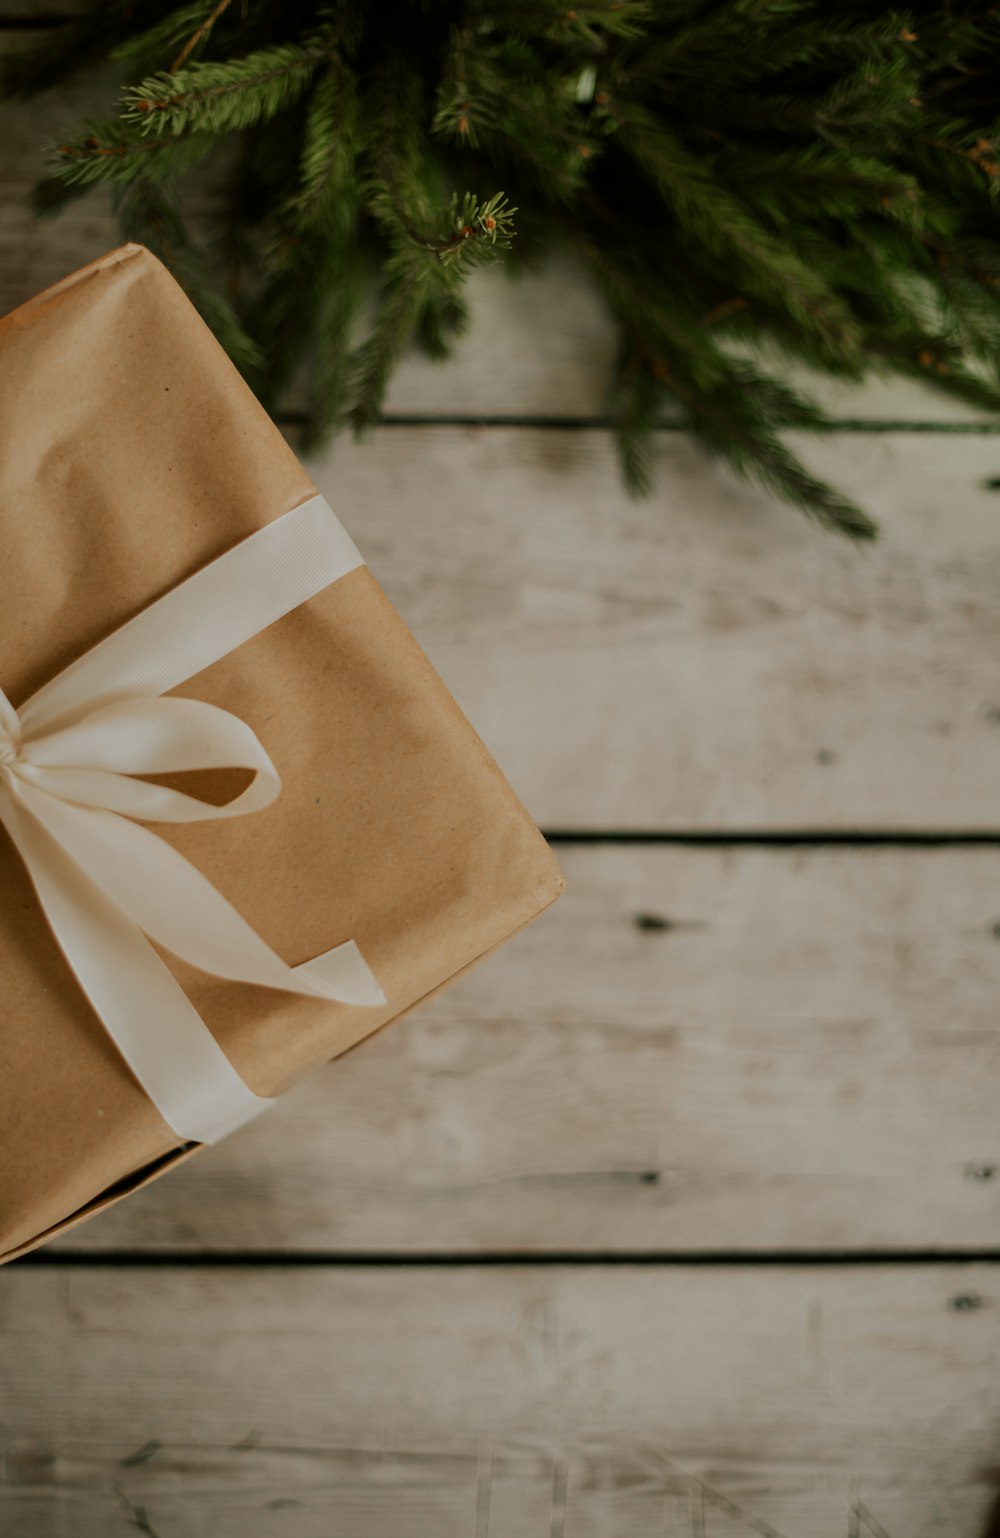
(94, 762)
(71, 767)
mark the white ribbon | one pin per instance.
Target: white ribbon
(68, 761)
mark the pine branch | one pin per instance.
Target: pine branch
(733, 410)
(443, 318)
(113, 152)
(723, 226)
(221, 98)
(330, 150)
(341, 294)
(759, 456)
(750, 182)
(399, 305)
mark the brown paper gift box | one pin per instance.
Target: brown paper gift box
(133, 454)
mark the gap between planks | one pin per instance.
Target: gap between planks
(374, 1259)
(779, 838)
(292, 421)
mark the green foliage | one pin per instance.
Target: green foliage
(781, 180)
(218, 98)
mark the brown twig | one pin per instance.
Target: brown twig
(724, 310)
(977, 155)
(196, 37)
(93, 149)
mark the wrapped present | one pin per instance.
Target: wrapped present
(244, 823)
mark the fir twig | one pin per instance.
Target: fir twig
(199, 34)
(219, 98)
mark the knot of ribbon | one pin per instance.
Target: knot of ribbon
(73, 798)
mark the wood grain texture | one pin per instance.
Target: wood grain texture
(703, 660)
(514, 1403)
(36, 252)
(803, 1056)
(541, 346)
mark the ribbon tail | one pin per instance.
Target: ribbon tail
(175, 905)
(166, 1044)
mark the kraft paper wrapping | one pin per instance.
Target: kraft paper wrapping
(133, 455)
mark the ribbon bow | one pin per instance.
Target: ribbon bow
(70, 796)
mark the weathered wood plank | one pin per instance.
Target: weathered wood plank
(500, 1403)
(36, 252)
(17, 14)
(803, 1056)
(704, 659)
(544, 346)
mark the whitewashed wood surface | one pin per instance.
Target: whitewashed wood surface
(805, 1056)
(724, 1048)
(514, 1402)
(703, 660)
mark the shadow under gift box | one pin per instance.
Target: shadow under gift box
(134, 454)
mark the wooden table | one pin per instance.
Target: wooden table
(681, 1216)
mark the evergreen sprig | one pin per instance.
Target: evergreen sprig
(220, 98)
(748, 181)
